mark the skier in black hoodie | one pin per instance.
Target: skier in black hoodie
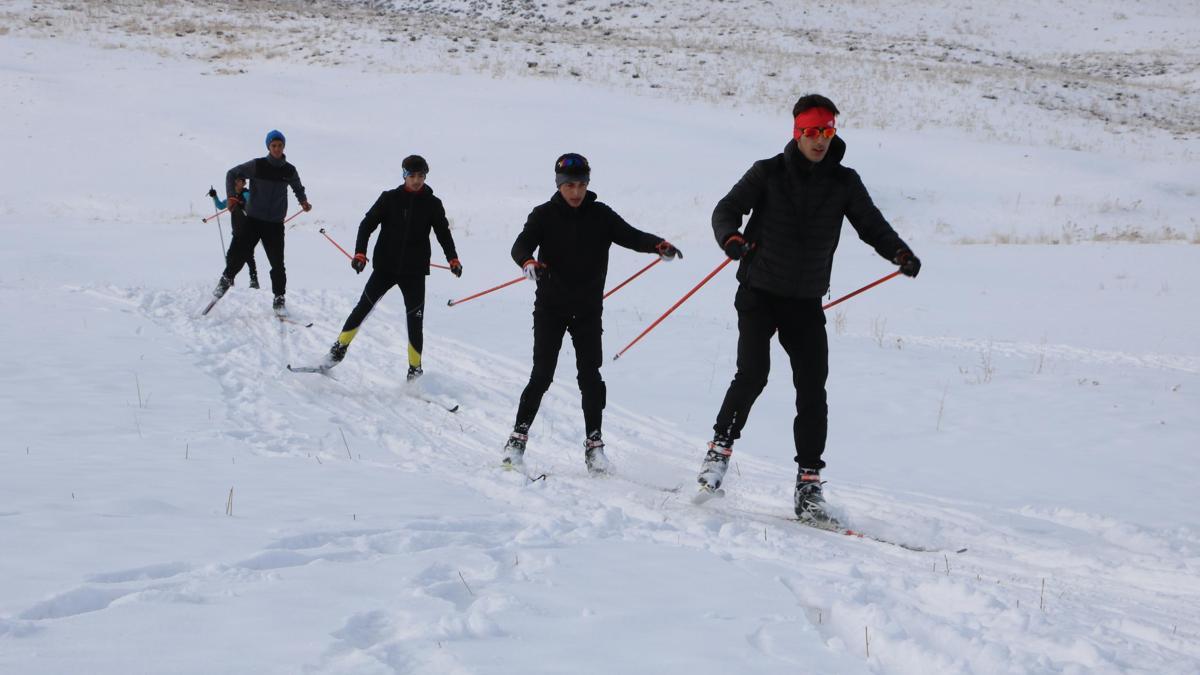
(572, 234)
(797, 199)
(405, 216)
(265, 213)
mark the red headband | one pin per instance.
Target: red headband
(813, 117)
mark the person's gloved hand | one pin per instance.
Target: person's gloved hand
(456, 267)
(667, 251)
(212, 192)
(909, 264)
(359, 263)
(736, 247)
(306, 206)
(533, 270)
(233, 202)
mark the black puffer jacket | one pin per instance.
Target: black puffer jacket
(405, 219)
(798, 207)
(573, 243)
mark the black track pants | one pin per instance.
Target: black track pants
(242, 249)
(548, 329)
(412, 287)
(801, 327)
(239, 224)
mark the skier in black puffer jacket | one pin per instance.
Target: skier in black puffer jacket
(572, 234)
(797, 200)
(404, 216)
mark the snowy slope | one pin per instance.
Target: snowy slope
(173, 500)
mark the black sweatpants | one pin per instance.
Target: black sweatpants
(412, 287)
(242, 249)
(801, 327)
(548, 329)
(239, 224)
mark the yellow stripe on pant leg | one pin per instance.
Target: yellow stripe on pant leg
(346, 336)
(414, 357)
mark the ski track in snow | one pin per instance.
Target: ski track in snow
(1136, 579)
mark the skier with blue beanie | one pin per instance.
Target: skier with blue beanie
(265, 213)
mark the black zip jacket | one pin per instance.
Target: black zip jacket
(405, 219)
(270, 179)
(573, 243)
(798, 207)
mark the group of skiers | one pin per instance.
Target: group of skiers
(796, 201)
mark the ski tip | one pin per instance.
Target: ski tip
(453, 410)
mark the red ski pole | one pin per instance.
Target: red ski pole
(636, 275)
(322, 231)
(674, 307)
(868, 287)
(205, 220)
(451, 303)
(293, 216)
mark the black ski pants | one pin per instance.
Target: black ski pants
(242, 250)
(412, 287)
(549, 326)
(801, 327)
(239, 224)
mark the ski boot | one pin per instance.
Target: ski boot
(254, 281)
(223, 285)
(716, 463)
(809, 502)
(593, 455)
(280, 307)
(514, 449)
(414, 372)
(336, 353)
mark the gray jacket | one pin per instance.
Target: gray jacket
(271, 178)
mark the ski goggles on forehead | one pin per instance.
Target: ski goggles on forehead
(571, 163)
(813, 132)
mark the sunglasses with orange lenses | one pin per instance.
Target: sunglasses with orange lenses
(813, 132)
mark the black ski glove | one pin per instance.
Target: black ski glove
(359, 262)
(212, 192)
(736, 247)
(909, 264)
(667, 251)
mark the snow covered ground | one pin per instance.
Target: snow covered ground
(173, 500)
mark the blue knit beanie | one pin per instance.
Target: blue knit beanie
(275, 135)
